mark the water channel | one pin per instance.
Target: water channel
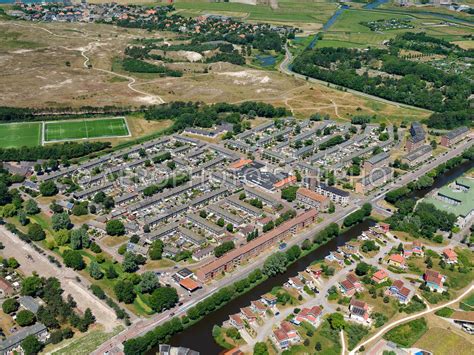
(199, 336)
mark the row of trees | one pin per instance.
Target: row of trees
(68, 150)
(358, 216)
(189, 114)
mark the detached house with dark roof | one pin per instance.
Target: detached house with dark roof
(359, 311)
(398, 290)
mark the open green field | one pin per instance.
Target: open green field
(16, 135)
(85, 129)
(293, 11)
(348, 31)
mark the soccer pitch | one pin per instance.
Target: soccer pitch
(85, 129)
(17, 135)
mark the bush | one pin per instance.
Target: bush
(10, 305)
(445, 312)
(25, 317)
(408, 333)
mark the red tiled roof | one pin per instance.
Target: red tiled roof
(450, 254)
(359, 304)
(189, 284)
(398, 284)
(289, 180)
(280, 335)
(397, 258)
(404, 291)
(240, 163)
(254, 243)
(311, 194)
(347, 285)
(287, 326)
(379, 275)
(352, 278)
(236, 318)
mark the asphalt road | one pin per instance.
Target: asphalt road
(141, 327)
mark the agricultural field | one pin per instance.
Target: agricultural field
(349, 30)
(306, 14)
(16, 135)
(85, 129)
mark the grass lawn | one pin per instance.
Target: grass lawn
(302, 11)
(16, 135)
(408, 333)
(85, 129)
(467, 303)
(88, 343)
(441, 341)
(328, 338)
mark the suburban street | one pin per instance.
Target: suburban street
(141, 327)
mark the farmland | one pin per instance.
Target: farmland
(85, 129)
(348, 30)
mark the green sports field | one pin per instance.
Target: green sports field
(85, 129)
(16, 135)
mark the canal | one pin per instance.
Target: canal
(199, 336)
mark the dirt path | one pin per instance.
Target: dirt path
(413, 316)
(146, 98)
(14, 247)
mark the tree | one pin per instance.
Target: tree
(13, 263)
(275, 264)
(111, 273)
(115, 227)
(73, 259)
(149, 282)
(129, 263)
(48, 188)
(318, 346)
(31, 345)
(336, 320)
(99, 197)
(31, 286)
(95, 271)
(31, 207)
(362, 269)
(223, 248)
(10, 305)
(156, 250)
(260, 348)
(25, 317)
(62, 237)
(221, 222)
(36, 232)
(125, 292)
(23, 218)
(163, 298)
(79, 239)
(61, 221)
(293, 253)
(230, 227)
